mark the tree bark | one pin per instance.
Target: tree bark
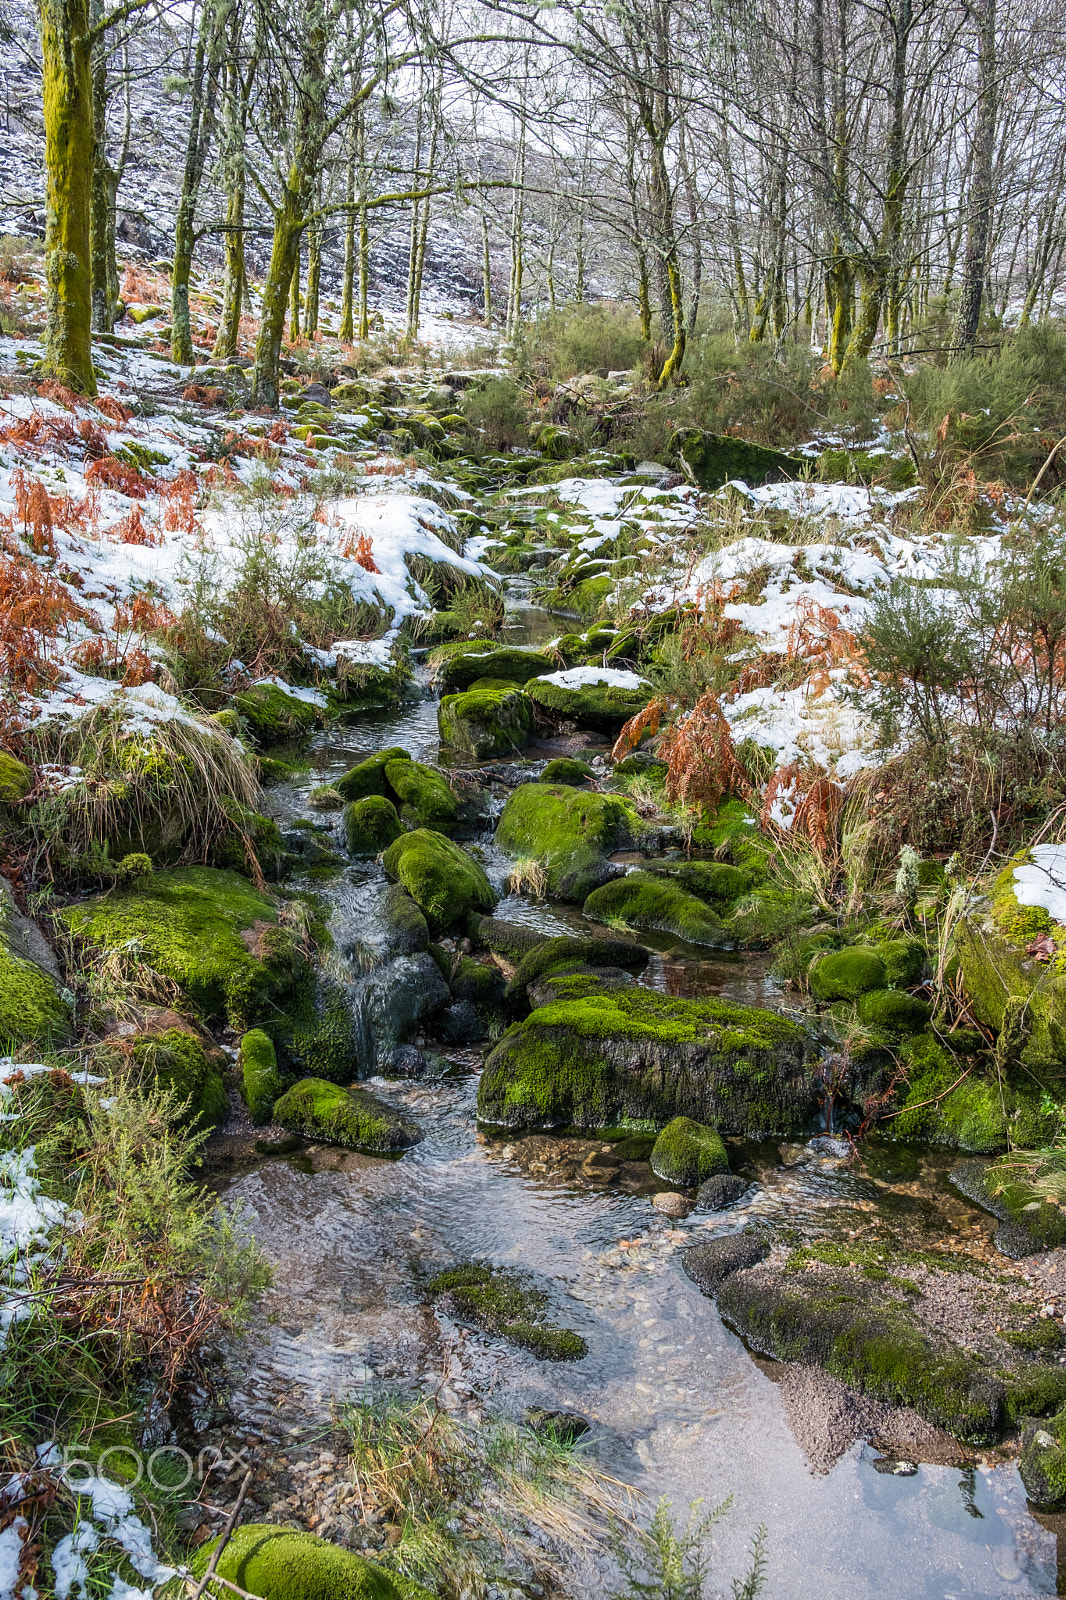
(980, 197)
(69, 151)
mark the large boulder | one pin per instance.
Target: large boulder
(463, 664)
(656, 904)
(488, 720)
(425, 799)
(634, 1055)
(370, 825)
(442, 879)
(569, 832)
(595, 697)
(348, 1116)
(283, 1564)
(712, 459)
(394, 1001)
(274, 712)
(563, 954)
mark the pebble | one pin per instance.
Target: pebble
(671, 1204)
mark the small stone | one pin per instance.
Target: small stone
(671, 1204)
(723, 1190)
(564, 1426)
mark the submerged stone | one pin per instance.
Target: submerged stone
(724, 1189)
(348, 1116)
(1028, 1225)
(503, 1302)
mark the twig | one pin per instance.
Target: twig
(934, 1101)
(1054, 450)
(224, 1541)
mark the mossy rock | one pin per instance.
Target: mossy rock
(718, 883)
(211, 932)
(687, 1152)
(1028, 1223)
(979, 1113)
(868, 1340)
(734, 831)
(470, 660)
(588, 596)
(642, 900)
(406, 928)
(894, 1012)
(511, 939)
(846, 974)
(261, 1082)
(368, 777)
(1042, 1463)
(766, 916)
(1009, 991)
(442, 879)
(481, 983)
(250, 827)
(371, 825)
(426, 799)
(177, 1059)
(904, 961)
(348, 1116)
(272, 715)
(32, 1008)
(282, 1564)
(502, 1302)
(713, 459)
(566, 952)
(602, 706)
(570, 831)
(567, 770)
(1013, 921)
(634, 1055)
(315, 1031)
(16, 779)
(485, 721)
(325, 798)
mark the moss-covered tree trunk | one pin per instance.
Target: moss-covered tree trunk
(346, 331)
(69, 151)
(314, 277)
(294, 296)
(235, 124)
(204, 79)
(284, 255)
(980, 198)
(106, 179)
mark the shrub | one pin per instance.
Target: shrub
(602, 337)
(498, 413)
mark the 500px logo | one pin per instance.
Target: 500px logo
(169, 1468)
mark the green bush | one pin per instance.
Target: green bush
(498, 413)
(603, 337)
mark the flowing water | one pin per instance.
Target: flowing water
(678, 1406)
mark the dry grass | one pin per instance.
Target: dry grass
(529, 876)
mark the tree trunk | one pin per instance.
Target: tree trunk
(314, 277)
(294, 297)
(234, 166)
(205, 69)
(486, 269)
(346, 331)
(69, 148)
(980, 196)
(104, 194)
(284, 255)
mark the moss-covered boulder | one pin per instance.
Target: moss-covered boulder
(904, 961)
(564, 953)
(485, 721)
(503, 1302)
(569, 831)
(633, 1055)
(371, 825)
(349, 1116)
(406, 929)
(396, 1001)
(966, 1104)
(568, 770)
(766, 916)
(713, 459)
(687, 1152)
(718, 883)
(1028, 1222)
(178, 1060)
(425, 798)
(1021, 999)
(594, 697)
(212, 932)
(32, 1003)
(282, 1564)
(642, 900)
(442, 879)
(16, 778)
(866, 1336)
(273, 715)
(482, 985)
(261, 1082)
(846, 974)
(894, 1012)
(1042, 1463)
(461, 665)
(368, 777)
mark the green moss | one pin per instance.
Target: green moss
(261, 1082)
(369, 776)
(315, 1032)
(407, 928)
(1043, 1335)
(347, 1116)
(326, 798)
(178, 1061)
(717, 883)
(211, 932)
(371, 825)
(593, 705)
(16, 779)
(570, 831)
(249, 828)
(1042, 1463)
(713, 459)
(904, 961)
(634, 1054)
(846, 974)
(686, 1152)
(766, 916)
(896, 1013)
(481, 983)
(30, 1005)
(440, 877)
(734, 831)
(281, 1564)
(1020, 924)
(460, 665)
(975, 1114)
(552, 954)
(272, 715)
(485, 721)
(503, 1303)
(643, 900)
(426, 798)
(567, 770)
(272, 771)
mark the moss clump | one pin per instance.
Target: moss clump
(315, 1032)
(325, 798)
(212, 932)
(687, 1152)
(1029, 1224)
(503, 1303)
(16, 779)
(425, 798)
(1042, 1336)
(30, 1005)
(470, 660)
(553, 954)
(352, 1117)
(861, 1335)
(481, 983)
(846, 974)
(261, 1082)
(1042, 1463)
(281, 1564)
(977, 1114)
(766, 916)
(717, 883)
(371, 825)
(895, 1013)
(570, 831)
(567, 770)
(485, 721)
(272, 715)
(1010, 918)
(369, 776)
(250, 829)
(904, 961)
(178, 1061)
(712, 459)
(632, 1054)
(439, 876)
(642, 900)
(593, 705)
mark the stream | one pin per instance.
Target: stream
(677, 1405)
